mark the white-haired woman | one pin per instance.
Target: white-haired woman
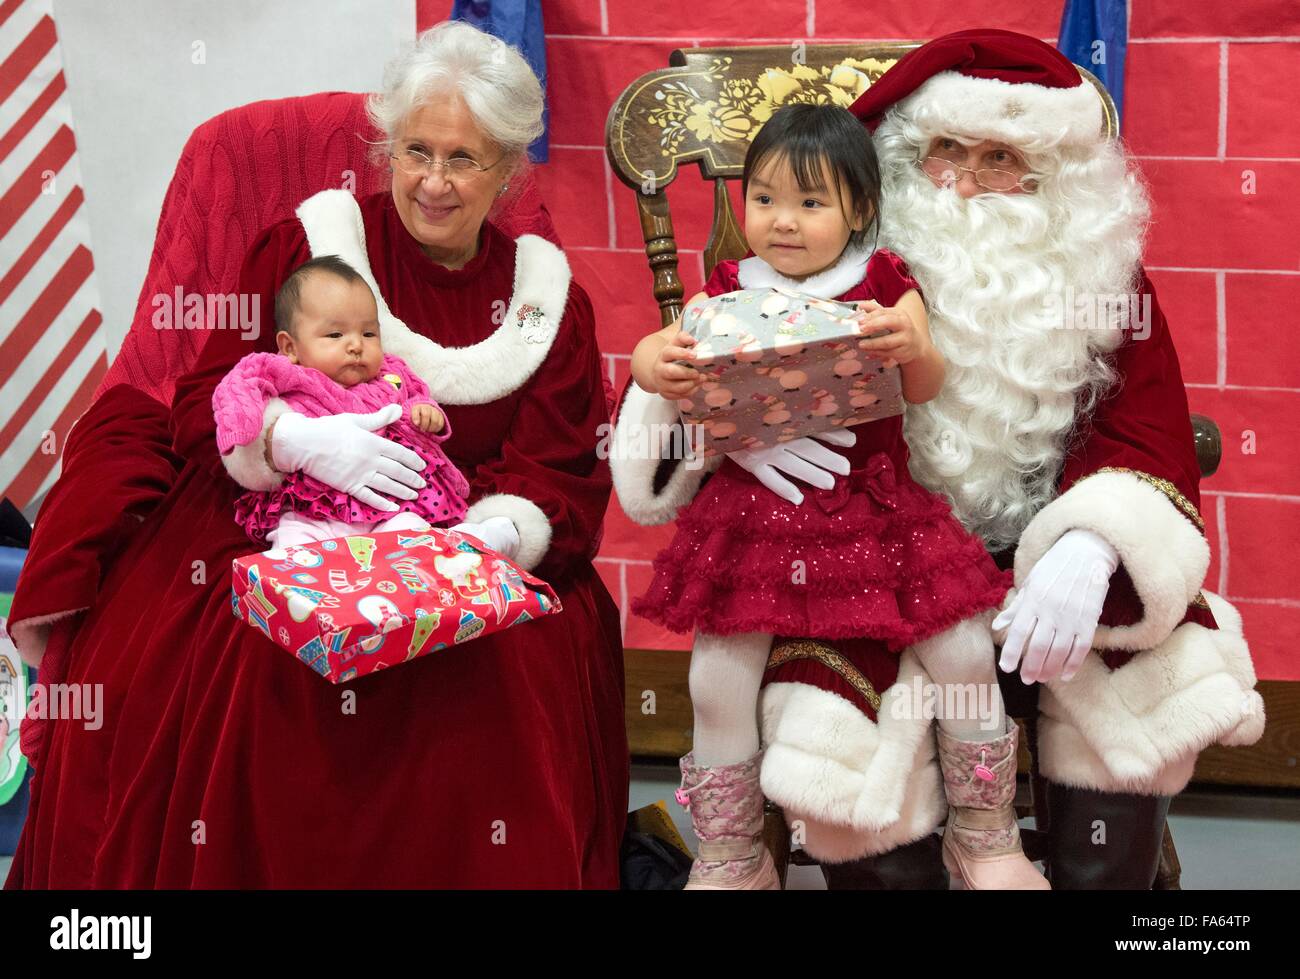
(220, 760)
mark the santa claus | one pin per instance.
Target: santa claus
(1061, 437)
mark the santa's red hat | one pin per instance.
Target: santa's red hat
(990, 84)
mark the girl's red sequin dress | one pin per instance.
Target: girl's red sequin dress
(876, 556)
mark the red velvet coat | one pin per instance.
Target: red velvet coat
(221, 761)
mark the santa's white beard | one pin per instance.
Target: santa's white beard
(993, 440)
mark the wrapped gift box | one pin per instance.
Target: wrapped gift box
(787, 365)
(353, 605)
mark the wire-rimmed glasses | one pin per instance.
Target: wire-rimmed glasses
(947, 173)
(417, 164)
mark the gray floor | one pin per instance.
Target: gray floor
(1224, 840)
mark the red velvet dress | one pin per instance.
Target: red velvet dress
(877, 556)
(221, 761)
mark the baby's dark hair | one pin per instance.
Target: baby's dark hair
(289, 298)
(807, 136)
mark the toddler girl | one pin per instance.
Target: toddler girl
(882, 557)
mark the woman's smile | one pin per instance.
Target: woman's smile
(433, 212)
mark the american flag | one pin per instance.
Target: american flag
(52, 347)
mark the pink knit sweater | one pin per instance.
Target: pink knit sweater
(244, 393)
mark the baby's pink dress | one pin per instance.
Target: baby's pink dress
(242, 396)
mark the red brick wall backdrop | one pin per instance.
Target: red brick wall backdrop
(1209, 112)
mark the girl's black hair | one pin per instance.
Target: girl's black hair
(807, 136)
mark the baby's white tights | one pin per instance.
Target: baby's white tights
(296, 528)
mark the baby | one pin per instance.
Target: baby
(331, 362)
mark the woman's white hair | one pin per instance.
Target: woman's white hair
(498, 86)
(1020, 376)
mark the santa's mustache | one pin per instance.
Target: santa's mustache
(1021, 218)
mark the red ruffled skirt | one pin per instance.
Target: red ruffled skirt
(878, 556)
(441, 502)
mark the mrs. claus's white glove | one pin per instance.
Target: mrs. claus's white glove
(344, 452)
(497, 533)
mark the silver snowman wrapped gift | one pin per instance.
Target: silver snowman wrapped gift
(782, 365)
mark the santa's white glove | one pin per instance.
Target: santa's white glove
(801, 458)
(1056, 611)
(496, 533)
(343, 452)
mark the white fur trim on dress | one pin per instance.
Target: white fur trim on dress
(531, 523)
(850, 788)
(1019, 114)
(482, 372)
(1139, 729)
(1166, 556)
(847, 272)
(247, 463)
(643, 437)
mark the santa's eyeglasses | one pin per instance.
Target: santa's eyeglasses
(947, 173)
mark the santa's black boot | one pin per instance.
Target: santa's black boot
(914, 867)
(1103, 840)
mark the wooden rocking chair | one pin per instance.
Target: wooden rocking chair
(703, 110)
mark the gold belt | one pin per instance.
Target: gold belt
(795, 649)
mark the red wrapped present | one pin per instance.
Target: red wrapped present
(352, 605)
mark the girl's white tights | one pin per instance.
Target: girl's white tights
(960, 663)
(727, 671)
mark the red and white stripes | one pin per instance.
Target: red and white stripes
(52, 347)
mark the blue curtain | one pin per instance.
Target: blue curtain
(1094, 35)
(518, 23)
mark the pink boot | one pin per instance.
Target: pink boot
(981, 844)
(726, 807)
